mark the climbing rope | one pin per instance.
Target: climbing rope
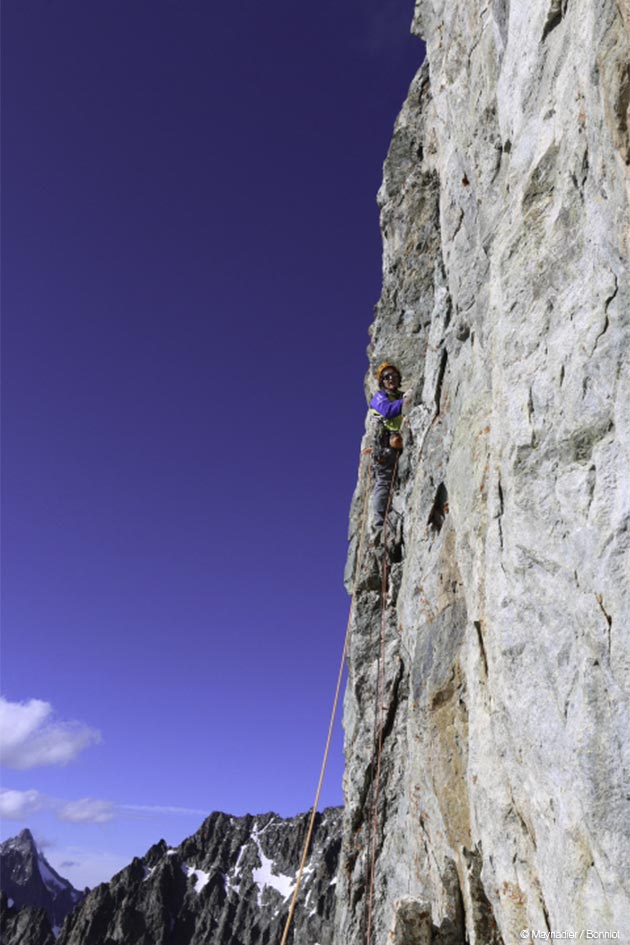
(379, 710)
(333, 714)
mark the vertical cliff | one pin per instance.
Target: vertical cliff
(503, 798)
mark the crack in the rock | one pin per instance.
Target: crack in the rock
(524, 825)
(613, 294)
(607, 302)
(600, 600)
(439, 509)
(394, 702)
(557, 10)
(440, 381)
(585, 168)
(364, 808)
(545, 912)
(600, 335)
(477, 40)
(358, 813)
(567, 701)
(482, 648)
(426, 839)
(579, 183)
(458, 225)
(370, 770)
(530, 405)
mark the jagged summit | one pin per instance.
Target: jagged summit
(23, 842)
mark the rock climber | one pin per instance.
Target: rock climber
(387, 406)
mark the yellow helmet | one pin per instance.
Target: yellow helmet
(383, 367)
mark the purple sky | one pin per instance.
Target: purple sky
(191, 257)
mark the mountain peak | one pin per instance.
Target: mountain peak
(28, 879)
(23, 844)
(26, 838)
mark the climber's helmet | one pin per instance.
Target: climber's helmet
(386, 371)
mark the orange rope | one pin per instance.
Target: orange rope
(309, 834)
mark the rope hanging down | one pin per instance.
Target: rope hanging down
(311, 825)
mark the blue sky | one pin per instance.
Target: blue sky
(190, 261)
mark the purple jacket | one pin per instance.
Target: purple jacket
(386, 407)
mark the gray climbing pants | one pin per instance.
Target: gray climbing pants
(383, 473)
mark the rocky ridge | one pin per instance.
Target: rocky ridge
(228, 884)
(503, 800)
(26, 926)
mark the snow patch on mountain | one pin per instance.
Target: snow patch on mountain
(49, 878)
(264, 875)
(201, 877)
(233, 880)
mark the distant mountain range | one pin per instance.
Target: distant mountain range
(228, 884)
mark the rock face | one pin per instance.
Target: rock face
(229, 884)
(502, 799)
(26, 926)
(29, 881)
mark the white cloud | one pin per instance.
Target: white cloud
(87, 811)
(93, 811)
(159, 809)
(16, 805)
(30, 738)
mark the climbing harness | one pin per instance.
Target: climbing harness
(379, 710)
(309, 834)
